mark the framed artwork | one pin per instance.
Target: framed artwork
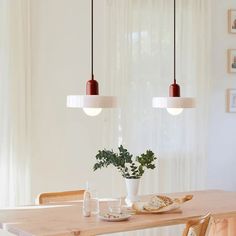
(231, 100)
(232, 60)
(232, 21)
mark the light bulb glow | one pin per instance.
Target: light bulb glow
(174, 111)
(92, 111)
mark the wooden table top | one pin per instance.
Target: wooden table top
(68, 219)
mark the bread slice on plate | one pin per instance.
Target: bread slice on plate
(160, 203)
(157, 202)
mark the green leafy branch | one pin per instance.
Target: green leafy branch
(130, 167)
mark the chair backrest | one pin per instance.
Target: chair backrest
(56, 197)
(199, 226)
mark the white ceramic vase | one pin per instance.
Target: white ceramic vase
(132, 186)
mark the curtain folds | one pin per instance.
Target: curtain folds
(140, 65)
(15, 105)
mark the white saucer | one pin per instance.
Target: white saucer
(114, 217)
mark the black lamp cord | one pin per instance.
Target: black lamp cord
(174, 41)
(92, 40)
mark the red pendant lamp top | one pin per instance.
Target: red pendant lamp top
(174, 90)
(92, 87)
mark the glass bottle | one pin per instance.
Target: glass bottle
(87, 202)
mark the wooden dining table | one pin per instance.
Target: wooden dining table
(67, 219)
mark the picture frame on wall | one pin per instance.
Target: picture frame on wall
(232, 21)
(231, 100)
(232, 60)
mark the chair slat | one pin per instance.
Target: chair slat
(55, 197)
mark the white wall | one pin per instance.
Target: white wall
(222, 125)
(62, 157)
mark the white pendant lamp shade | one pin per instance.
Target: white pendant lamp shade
(174, 105)
(92, 104)
(173, 102)
(91, 101)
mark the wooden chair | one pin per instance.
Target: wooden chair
(56, 197)
(199, 226)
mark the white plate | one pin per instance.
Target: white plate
(114, 217)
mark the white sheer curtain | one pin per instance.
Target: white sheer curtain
(140, 66)
(14, 102)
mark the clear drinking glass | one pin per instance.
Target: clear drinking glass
(94, 202)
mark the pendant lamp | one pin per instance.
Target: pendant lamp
(174, 103)
(92, 103)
